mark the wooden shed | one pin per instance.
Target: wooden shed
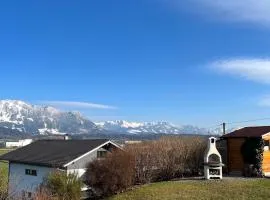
(235, 140)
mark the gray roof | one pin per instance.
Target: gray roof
(52, 153)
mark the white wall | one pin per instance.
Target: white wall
(12, 144)
(20, 143)
(79, 167)
(19, 181)
(25, 142)
(78, 172)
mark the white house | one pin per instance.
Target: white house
(20, 143)
(30, 165)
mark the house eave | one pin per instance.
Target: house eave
(37, 164)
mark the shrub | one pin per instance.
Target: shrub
(150, 161)
(113, 174)
(168, 158)
(145, 161)
(252, 152)
(44, 194)
(63, 186)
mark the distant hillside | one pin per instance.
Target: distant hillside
(7, 133)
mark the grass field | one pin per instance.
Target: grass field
(3, 174)
(3, 151)
(4, 165)
(214, 189)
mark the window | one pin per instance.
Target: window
(31, 172)
(101, 154)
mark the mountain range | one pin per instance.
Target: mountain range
(34, 119)
(21, 117)
(122, 126)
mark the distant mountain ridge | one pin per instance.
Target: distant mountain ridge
(122, 126)
(18, 117)
(34, 119)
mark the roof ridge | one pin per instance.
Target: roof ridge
(71, 140)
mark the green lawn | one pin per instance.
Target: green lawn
(214, 189)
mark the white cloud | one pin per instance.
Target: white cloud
(255, 11)
(255, 69)
(77, 104)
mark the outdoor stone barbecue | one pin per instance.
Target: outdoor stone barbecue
(212, 161)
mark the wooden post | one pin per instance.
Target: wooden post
(224, 128)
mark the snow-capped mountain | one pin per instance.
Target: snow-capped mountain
(121, 126)
(23, 117)
(34, 119)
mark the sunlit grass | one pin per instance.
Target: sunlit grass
(3, 164)
(3, 172)
(202, 190)
(3, 151)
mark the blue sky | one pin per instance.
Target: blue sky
(184, 61)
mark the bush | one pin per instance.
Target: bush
(252, 152)
(145, 160)
(44, 194)
(163, 159)
(168, 158)
(113, 174)
(63, 186)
